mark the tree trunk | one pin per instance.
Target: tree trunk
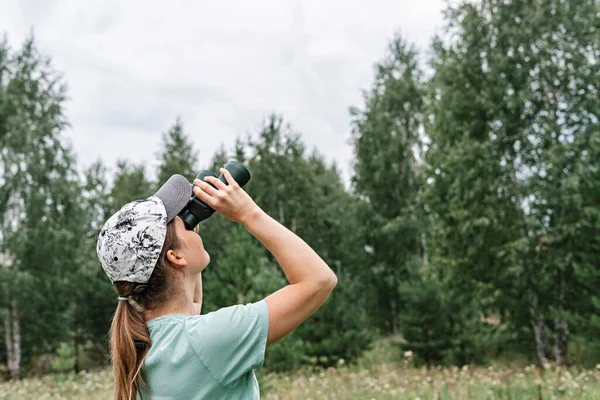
(539, 332)
(393, 316)
(427, 350)
(13, 337)
(76, 339)
(560, 325)
(424, 248)
(12, 326)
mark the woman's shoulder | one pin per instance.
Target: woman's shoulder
(234, 314)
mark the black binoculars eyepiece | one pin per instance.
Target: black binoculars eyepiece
(196, 210)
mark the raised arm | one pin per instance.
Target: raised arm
(310, 279)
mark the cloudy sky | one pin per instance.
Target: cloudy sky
(133, 67)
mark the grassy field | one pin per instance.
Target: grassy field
(382, 382)
(391, 382)
(377, 376)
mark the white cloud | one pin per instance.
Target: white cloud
(132, 67)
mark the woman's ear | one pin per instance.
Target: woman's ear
(176, 259)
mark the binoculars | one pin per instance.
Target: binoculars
(196, 210)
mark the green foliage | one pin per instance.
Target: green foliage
(242, 275)
(426, 323)
(470, 232)
(511, 129)
(40, 209)
(130, 183)
(288, 354)
(65, 358)
(95, 303)
(386, 142)
(338, 331)
(306, 195)
(176, 155)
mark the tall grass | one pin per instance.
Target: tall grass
(381, 373)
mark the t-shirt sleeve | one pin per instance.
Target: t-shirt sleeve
(232, 340)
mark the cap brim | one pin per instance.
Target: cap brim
(175, 194)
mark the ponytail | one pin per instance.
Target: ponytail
(129, 336)
(129, 343)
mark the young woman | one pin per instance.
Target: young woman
(161, 347)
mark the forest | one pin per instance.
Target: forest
(469, 231)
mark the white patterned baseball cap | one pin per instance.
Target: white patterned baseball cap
(130, 241)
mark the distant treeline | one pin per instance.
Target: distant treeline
(471, 229)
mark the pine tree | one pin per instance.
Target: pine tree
(308, 197)
(176, 155)
(340, 329)
(386, 145)
(130, 183)
(425, 325)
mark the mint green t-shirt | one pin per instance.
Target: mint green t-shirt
(210, 356)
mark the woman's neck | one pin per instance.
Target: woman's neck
(188, 302)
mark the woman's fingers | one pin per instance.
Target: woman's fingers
(206, 187)
(216, 182)
(228, 177)
(202, 195)
(226, 198)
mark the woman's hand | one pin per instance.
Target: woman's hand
(230, 200)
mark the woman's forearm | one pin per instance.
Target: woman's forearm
(298, 261)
